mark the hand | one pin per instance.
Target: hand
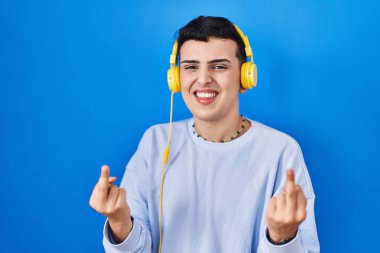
(287, 211)
(110, 200)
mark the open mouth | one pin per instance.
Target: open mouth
(205, 97)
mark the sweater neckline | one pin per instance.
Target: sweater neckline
(222, 146)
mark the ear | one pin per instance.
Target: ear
(242, 90)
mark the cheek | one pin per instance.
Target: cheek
(230, 82)
(185, 80)
(187, 98)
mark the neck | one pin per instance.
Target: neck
(221, 129)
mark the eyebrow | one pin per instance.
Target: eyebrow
(212, 61)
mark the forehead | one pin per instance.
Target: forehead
(212, 49)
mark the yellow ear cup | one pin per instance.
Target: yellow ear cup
(248, 70)
(248, 75)
(173, 79)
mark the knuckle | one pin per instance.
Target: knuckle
(108, 211)
(277, 219)
(115, 188)
(302, 215)
(270, 219)
(292, 193)
(289, 220)
(102, 189)
(118, 208)
(101, 210)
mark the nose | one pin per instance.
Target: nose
(204, 76)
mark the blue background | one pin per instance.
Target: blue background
(80, 81)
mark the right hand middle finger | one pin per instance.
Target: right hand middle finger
(103, 184)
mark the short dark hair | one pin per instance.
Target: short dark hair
(203, 27)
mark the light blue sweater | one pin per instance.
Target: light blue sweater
(215, 194)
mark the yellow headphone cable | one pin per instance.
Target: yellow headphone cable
(165, 161)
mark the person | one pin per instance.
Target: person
(232, 184)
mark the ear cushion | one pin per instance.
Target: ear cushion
(248, 74)
(173, 79)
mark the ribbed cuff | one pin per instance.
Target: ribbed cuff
(294, 245)
(129, 244)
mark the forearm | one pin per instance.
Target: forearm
(138, 240)
(120, 231)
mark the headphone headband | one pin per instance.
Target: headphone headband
(173, 56)
(248, 50)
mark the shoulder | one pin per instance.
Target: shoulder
(159, 132)
(274, 138)
(288, 155)
(163, 128)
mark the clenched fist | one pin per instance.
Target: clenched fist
(110, 200)
(287, 211)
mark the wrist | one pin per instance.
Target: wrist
(279, 239)
(120, 231)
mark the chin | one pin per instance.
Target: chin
(206, 115)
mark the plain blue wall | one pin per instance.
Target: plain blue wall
(80, 81)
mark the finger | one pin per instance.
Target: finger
(105, 172)
(122, 199)
(112, 198)
(301, 205)
(291, 195)
(111, 180)
(301, 199)
(290, 181)
(280, 206)
(94, 196)
(103, 185)
(271, 207)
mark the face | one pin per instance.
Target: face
(210, 78)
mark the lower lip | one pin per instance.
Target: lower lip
(205, 101)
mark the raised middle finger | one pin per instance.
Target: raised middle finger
(290, 192)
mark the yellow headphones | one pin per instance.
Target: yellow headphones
(248, 70)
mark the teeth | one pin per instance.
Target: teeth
(206, 95)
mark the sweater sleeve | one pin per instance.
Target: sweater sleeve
(135, 183)
(306, 240)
